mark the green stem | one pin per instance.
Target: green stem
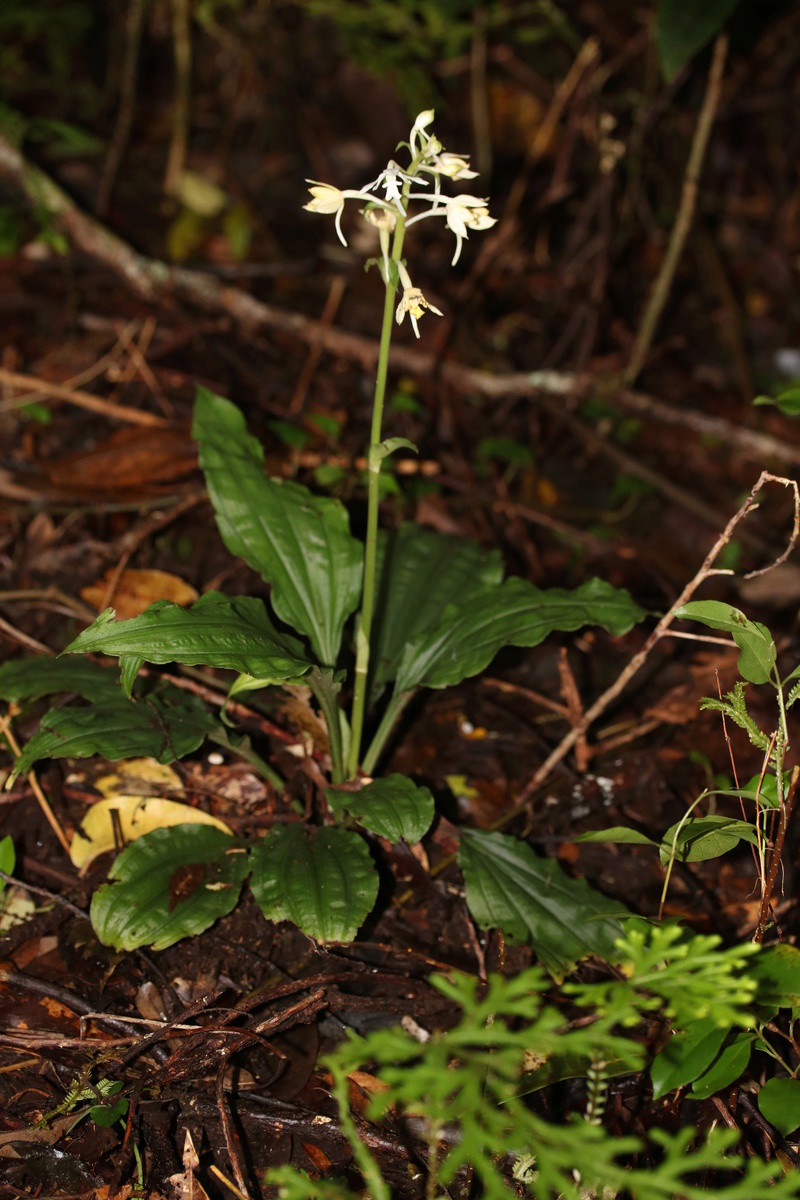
(393, 712)
(364, 627)
(321, 685)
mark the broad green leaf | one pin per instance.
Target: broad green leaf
(420, 573)
(394, 807)
(727, 1068)
(33, 678)
(687, 1056)
(321, 879)
(685, 26)
(513, 614)
(705, 837)
(788, 402)
(217, 631)
(777, 971)
(620, 834)
(166, 724)
(758, 654)
(299, 543)
(531, 899)
(779, 1102)
(105, 1116)
(765, 788)
(168, 885)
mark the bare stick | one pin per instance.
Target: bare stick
(181, 114)
(36, 787)
(127, 102)
(683, 221)
(775, 858)
(60, 391)
(706, 571)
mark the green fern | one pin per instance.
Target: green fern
(470, 1078)
(733, 706)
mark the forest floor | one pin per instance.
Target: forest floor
(571, 476)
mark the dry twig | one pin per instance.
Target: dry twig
(683, 221)
(706, 571)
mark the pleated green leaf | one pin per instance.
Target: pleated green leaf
(420, 573)
(166, 725)
(33, 678)
(217, 631)
(513, 614)
(394, 807)
(321, 879)
(532, 900)
(169, 884)
(298, 542)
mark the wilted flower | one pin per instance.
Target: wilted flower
(454, 166)
(381, 218)
(413, 301)
(384, 221)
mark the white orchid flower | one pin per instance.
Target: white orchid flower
(325, 198)
(454, 166)
(465, 212)
(461, 213)
(392, 181)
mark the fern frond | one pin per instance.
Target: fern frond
(733, 705)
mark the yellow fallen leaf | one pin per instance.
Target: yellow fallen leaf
(122, 819)
(140, 777)
(136, 590)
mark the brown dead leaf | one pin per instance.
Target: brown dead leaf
(184, 1186)
(318, 1158)
(136, 590)
(363, 1087)
(137, 459)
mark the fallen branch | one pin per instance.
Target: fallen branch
(155, 281)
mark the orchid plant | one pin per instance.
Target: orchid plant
(389, 213)
(429, 610)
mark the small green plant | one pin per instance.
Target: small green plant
(467, 1091)
(428, 611)
(705, 1056)
(699, 835)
